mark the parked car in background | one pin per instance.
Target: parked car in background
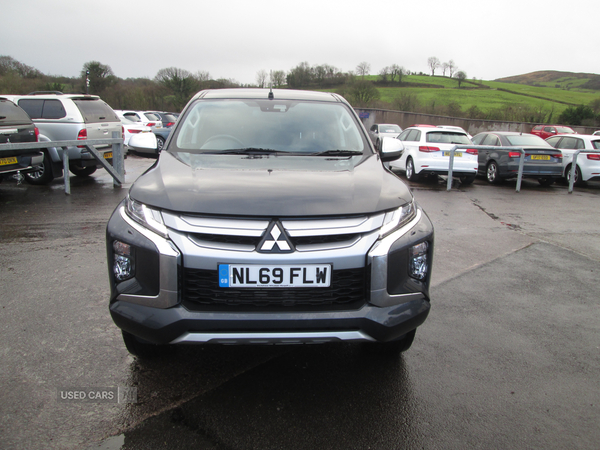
(545, 131)
(597, 133)
(131, 128)
(379, 130)
(542, 161)
(15, 127)
(427, 152)
(151, 119)
(269, 219)
(454, 128)
(145, 118)
(167, 119)
(69, 117)
(588, 164)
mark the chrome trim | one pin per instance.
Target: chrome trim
(228, 227)
(169, 261)
(378, 259)
(315, 337)
(328, 227)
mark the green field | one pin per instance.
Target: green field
(545, 96)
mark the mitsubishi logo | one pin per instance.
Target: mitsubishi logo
(275, 240)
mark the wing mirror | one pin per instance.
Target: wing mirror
(143, 142)
(391, 149)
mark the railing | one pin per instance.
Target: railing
(486, 147)
(116, 170)
(574, 166)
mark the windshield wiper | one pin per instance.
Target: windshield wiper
(337, 153)
(247, 151)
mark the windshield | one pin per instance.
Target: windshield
(390, 129)
(564, 130)
(526, 139)
(269, 126)
(448, 137)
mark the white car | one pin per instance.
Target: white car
(588, 164)
(130, 128)
(145, 118)
(380, 130)
(453, 128)
(427, 151)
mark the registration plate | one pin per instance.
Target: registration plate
(456, 154)
(280, 276)
(7, 161)
(540, 157)
(108, 155)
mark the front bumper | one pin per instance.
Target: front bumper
(150, 306)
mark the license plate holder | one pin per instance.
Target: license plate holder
(540, 157)
(9, 160)
(456, 154)
(108, 155)
(274, 276)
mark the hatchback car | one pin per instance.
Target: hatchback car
(542, 161)
(545, 131)
(269, 218)
(427, 152)
(588, 164)
(15, 127)
(379, 130)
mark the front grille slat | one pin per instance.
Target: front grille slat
(201, 291)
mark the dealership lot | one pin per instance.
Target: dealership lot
(509, 357)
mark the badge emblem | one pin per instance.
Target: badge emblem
(275, 240)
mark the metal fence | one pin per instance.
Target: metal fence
(521, 162)
(116, 170)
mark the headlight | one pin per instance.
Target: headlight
(397, 218)
(146, 216)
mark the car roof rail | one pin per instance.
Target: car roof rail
(45, 93)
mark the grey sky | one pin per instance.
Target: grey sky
(235, 39)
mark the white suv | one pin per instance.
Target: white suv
(427, 151)
(67, 117)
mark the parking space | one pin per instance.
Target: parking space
(509, 357)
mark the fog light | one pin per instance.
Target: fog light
(418, 264)
(123, 264)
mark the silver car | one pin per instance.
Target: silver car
(379, 130)
(68, 117)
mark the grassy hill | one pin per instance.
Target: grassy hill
(536, 97)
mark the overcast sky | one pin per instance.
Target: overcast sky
(237, 38)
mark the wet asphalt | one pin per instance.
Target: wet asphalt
(508, 358)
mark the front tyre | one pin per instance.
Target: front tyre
(139, 348)
(395, 347)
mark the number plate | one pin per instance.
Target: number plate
(283, 276)
(108, 155)
(7, 161)
(456, 154)
(540, 157)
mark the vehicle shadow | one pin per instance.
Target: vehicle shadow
(322, 396)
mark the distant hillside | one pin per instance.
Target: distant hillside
(556, 79)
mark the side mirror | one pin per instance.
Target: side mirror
(391, 149)
(143, 143)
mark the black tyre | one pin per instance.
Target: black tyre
(578, 181)
(410, 170)
(82, 171)
(545, 181)
(160, 143)
(467, 179)
(492, 173)
(43, 175)
(395, 347)
(139, 348)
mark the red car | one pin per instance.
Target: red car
(545, 131)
